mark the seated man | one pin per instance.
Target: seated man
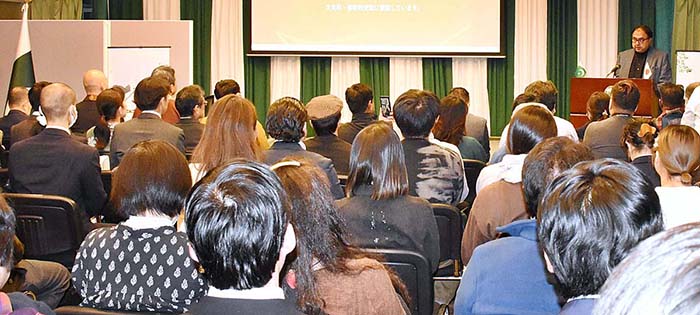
(241, 205)
(94, 82)
(53, 163)
(324, 113)
(360, 99)
(434, 173)
(507, 275)
(170, 114)
(30, 127)
(672, 105)
(286, 123)
(151, 96)
(18, 100)
(589, 219)
(191, 105)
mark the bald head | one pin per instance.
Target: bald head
(19, 99)
(94, 82)
(56, 100)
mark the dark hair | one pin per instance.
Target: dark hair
(625, 95)
(415, 112)
(597, 105)
(166, 73)
(646, 29)
(153, 176)
(34, 94)
(149, 92)
(639, 132)
(671, 95)
(450, 125)
(286, 119)
(528, 127)
(547, 160)
(377, 159)
(326, 125)
(108, 103)
(545, 92)
(226, 87)
(319, 230)
(460, 92)
(591, 216)
(236, 220)
(7, 234)
(188, 98)
(659, 276)
(522, 99)
(358, 96)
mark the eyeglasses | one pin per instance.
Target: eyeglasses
(639, 40)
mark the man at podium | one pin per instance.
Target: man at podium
(643, 61)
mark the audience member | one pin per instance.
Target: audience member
(517, 101)
(507, 275)
(286, 123)
(324, 114)
(241, 206)
(360, 99)
(17, 300)
(191, 105)
(151, 97)
(54, 164)
(110, 104)
(691, 116)
(30, 127)
(603, 137)
(690, 89)
(659, 276)
(434, 173)
(677, 161)
(227, 87)
(18, 101)
(475, 126)
(672, 104)
(142, 264)
(449, 127)
(329, 275)
(228, 134)
(378, 211)
(94, 82)
(638, 139)
(596, 110)
(590, 217)
(170, 113)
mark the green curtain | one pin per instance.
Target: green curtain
(56, 10)
(315, 77)
(125, 9)
(630, 14)
(437, 75)
(664, 25)
(257, 73)
(199, 11)
(375, 73)
(562, 47)
(686, 35)
(94, 9)
(500, 74)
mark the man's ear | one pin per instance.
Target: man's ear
(289, 242)
(550, 268)
(191, 252)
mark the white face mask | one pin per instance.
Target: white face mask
(73, 115)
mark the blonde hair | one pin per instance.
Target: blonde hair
(679, 152)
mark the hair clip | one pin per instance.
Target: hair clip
(645, 129)
(285, 163)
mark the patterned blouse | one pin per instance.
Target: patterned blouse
(121, 268)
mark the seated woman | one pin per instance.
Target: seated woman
(110, 105)
(596, 110)
(229, 134)
(450, 127)
(638, 138)
(142, 263)
(330, 276)
(378, 212)
(677, 161)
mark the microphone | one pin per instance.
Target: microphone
(615, 68)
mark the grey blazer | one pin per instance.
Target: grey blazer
(658, 62)
(146, 127)
(476, 128)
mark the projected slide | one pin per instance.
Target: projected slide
(383, 26)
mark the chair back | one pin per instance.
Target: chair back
(78, 310)
(414, 271)
(46, 224)
(472, 169)
(4, 179)
(450, 224)
(106, 177)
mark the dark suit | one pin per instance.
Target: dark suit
(146, 127)
(14, 117)
(88, 115)
(25, 129)
(53, 163)
(603, 137)
(476, 128)
(281, 150)
(333, 148)
(658, 61)
(348, 131)
(193, 132)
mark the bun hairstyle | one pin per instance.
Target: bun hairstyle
(639, 133)
(678, 151)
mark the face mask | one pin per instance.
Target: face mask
(73, 115)
(41, 118)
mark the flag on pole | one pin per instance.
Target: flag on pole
(23, 68)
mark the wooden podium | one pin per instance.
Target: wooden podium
(582, 88)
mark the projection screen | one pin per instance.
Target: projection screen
(379, 27)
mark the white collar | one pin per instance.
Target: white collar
(581, 297)
(263, 293)
(149, 222)
(154, 112)
(58, 127)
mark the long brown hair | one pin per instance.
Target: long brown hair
(679, 152)
(450, 124)
(229, 134)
